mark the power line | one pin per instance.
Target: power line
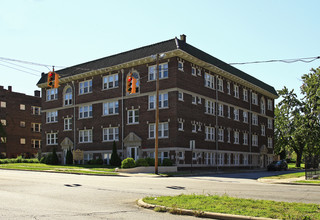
(19, 70)
(305, 60)
(30, 63)
(20, 66)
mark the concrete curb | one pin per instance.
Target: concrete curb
(212, 215)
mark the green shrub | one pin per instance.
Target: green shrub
(69, 157)
(142, 163)
(167, 162)
(150, 161)
(95, 162)
(128, 163)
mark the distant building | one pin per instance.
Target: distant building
(20, 117)
(211, 114)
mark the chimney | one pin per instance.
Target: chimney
(10, 88)
(36, 93)
(183, 38)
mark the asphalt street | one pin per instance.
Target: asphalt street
(40, 195)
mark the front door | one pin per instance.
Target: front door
(133, 152)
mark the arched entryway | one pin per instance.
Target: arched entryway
(66, 144)
(132, 144)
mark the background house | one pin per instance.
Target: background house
(20, 116)
(211, 114)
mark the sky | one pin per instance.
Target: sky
(64, 33)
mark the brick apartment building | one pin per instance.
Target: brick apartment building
(224, 113)
(20, 116)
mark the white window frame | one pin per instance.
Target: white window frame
(52, 94)
(221, 135)
(208, 80)
(22, 141)
(245, 95)
(85, 136)
(270, 142)
(36, 110)
(254, 98)
(22, 107)
(236, 137)
(36, 127)
(67, 97)
(52, 138)
(85, 87)
(220, 84)
(245, 117)
(255, 140)
(210, 133)
(229, 136)
(194, 128)
(193, 71)
(180, 126)
(180, 96)
(3, 122)
(163, 71)
(113, 106)
(236, 114)
(270, 105)
(236, 90)
(52, 117)
(110, 134)
(245, 138)
(254, 119)
(133, 116)
(163, 130)
(220, 110)
(110, 81)
(35, 143)
(67, 124)
(210, 107)
(180, 66)
(263, 106)
(163, 101)
(228, 88)
(85, 111)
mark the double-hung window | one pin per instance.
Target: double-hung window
(254, 119)
(254, 140)
(85, 136)
(110, 81)
(52, 94)
(245, 95)
(209, 105)
(68, 96)
(220, 85)
(52, 116)
(245, 138)
(133, 116)
(163, 71)
(52, 138)
(85, 87)
(163, 101)
(220, 110)
(209, 80)
(236, 91)
(221, 135)
(111, 108)
(163, 130)
(68, 124)
(254, 98)
(236, 114)
(111, 134)
(210, 133)
(85, 111)
(236, 137)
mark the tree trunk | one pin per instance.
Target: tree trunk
(299, 157)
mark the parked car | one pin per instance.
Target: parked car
(278, 165)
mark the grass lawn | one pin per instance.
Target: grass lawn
(83, 169)
(286, 176)
(237, 206)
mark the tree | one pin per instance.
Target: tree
(289, 126)
(115, 159)
(69, 157)
(55, 159)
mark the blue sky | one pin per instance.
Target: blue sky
(65, 33)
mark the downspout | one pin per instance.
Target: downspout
(216, 127)
(74, 116)
(122, 115)
(250, 130)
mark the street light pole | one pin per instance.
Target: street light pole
(157, 119)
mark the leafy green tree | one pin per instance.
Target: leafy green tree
(115, 159)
